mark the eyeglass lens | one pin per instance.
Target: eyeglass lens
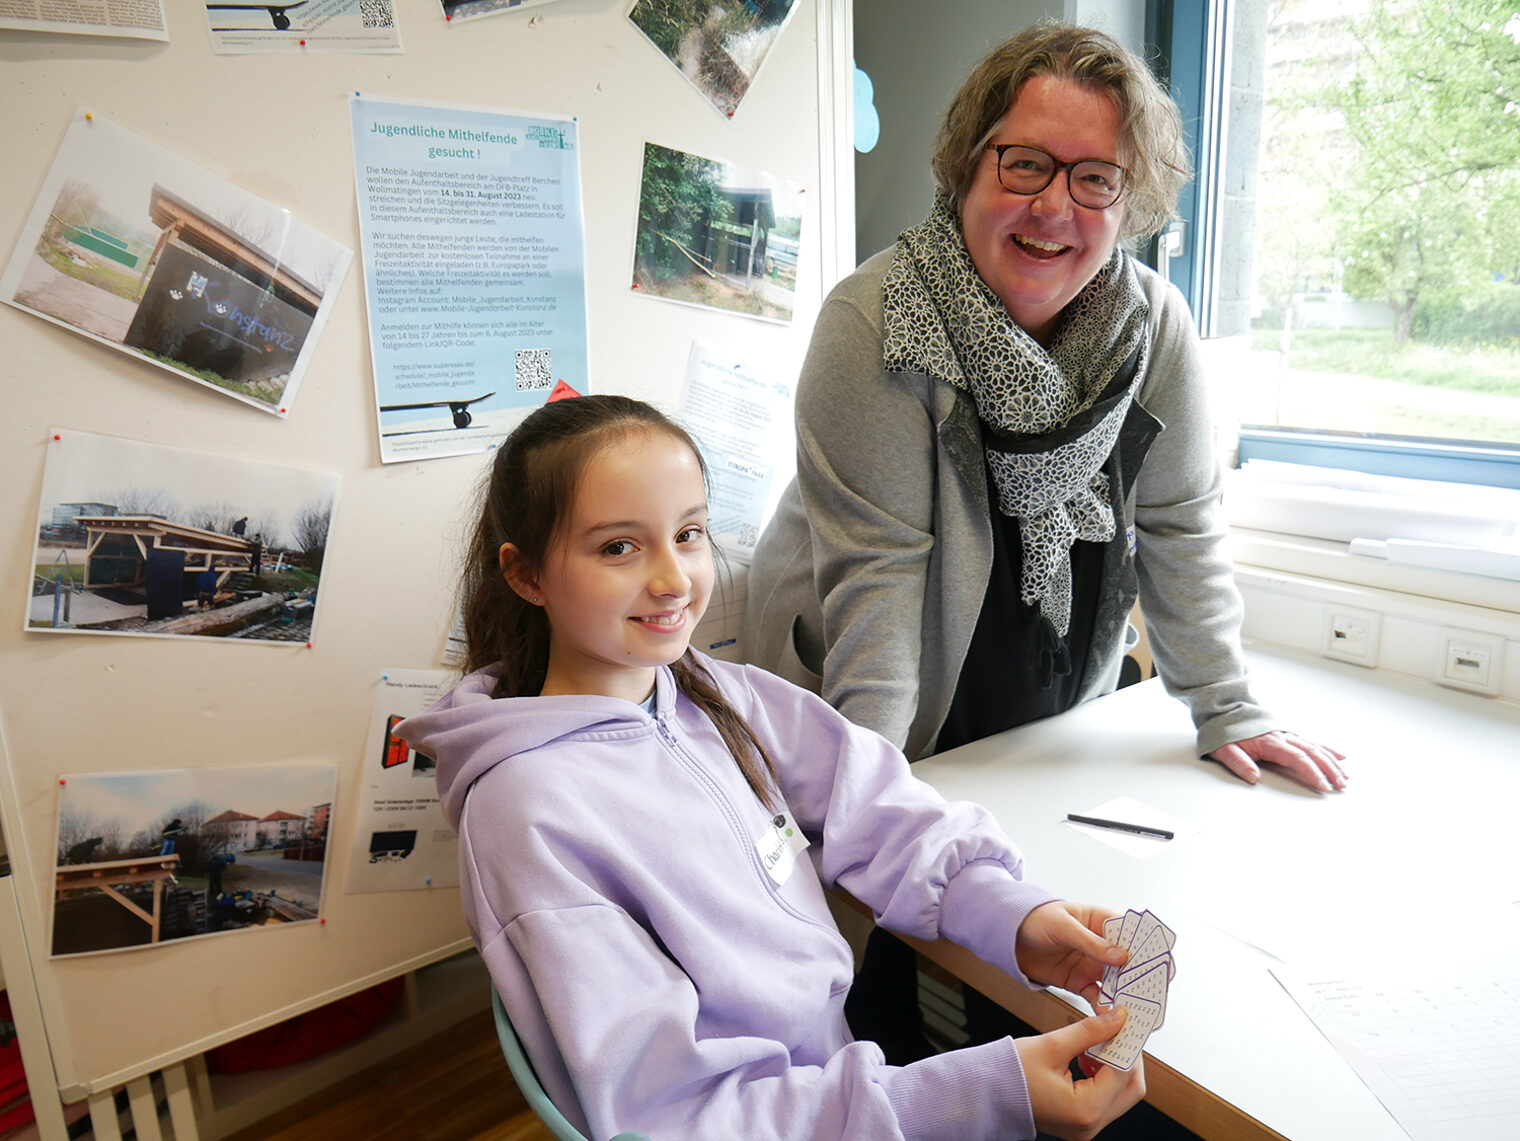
(1026, 170)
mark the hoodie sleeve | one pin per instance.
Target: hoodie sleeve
(614, 1027)
(925, 866)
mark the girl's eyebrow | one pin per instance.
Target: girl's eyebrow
(634, 524)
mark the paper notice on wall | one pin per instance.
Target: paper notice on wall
(122, 19)
(401, 841)
(741, 419)
(353, 26)
(474, 271)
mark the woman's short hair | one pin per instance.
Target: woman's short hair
(1151, 146)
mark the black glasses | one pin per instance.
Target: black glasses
(1029, 170)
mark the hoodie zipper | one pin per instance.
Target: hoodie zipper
(745, 842)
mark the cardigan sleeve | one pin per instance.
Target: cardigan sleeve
(1192, 608)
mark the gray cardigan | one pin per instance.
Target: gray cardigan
(867, 584)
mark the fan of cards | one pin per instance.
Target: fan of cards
(1139, 986)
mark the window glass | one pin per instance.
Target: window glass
(1371, 217)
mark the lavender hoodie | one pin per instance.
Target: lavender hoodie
(660, 979)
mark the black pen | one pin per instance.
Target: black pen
(1120, 826)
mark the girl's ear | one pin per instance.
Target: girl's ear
(514, 569)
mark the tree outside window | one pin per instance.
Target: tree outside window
(1387, 222)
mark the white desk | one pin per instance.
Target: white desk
(1423, 836)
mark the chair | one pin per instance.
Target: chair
(527, 1081)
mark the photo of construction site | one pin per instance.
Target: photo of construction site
(136, 538)
(149, 858)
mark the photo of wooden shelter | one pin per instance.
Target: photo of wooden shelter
(214, 301)
(137, 538)
(120, 549)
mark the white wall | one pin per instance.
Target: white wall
(279, 126)
(917, 55)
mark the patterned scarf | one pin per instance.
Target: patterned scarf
(1050, 418)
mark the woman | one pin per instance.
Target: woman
(1002, 439)
(1002, 436)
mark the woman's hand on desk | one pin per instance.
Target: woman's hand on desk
(1072, 1108)
(1060, 944)
(1317, 766)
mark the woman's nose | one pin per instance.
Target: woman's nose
(1055, 200)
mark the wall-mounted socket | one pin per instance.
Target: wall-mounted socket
(1470, 660)
(1351, 635)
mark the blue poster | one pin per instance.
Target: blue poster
(474, 270)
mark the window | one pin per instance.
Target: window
(1354, 251)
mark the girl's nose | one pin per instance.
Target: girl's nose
(669, 576)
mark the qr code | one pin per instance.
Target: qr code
(376, 13)
(533, 369)
(748, 536)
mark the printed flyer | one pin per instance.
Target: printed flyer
(474, 270)
(401, 840)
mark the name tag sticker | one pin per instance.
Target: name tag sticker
(778, 845)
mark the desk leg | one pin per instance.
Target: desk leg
(181, 1105)
(26, 1013)
(144, 1109)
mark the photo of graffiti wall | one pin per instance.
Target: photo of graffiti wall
(137, 249)
(150, 858)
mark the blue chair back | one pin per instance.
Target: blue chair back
(527, 1081)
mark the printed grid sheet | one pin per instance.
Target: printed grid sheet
(1442, 1057)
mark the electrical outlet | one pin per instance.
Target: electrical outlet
(1351, 635)
(1470, 660)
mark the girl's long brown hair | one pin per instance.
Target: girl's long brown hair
(526, 498)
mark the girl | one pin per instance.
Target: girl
(631, 814)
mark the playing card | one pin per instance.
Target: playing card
(1124, 1049)
(1151, 985)
(1144, 955)
(1140, 986)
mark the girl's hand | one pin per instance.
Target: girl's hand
(1061, 944)
(1071, 1108)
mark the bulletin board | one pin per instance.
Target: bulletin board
(278, 125)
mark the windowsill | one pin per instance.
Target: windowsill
(1333, 561)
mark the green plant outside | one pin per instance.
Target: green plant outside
(1490, 369)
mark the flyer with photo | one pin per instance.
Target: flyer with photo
(474, 270)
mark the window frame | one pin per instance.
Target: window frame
(1191, 46)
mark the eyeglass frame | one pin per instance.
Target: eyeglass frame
(1057, 166)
